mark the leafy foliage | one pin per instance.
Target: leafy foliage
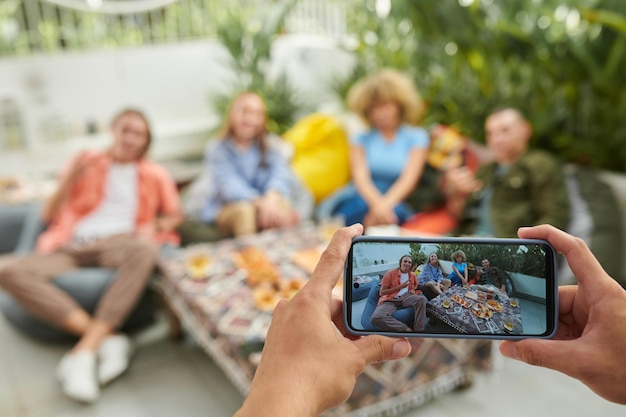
(524, 259)
(248, 40)
(558, 61)
(416, 254)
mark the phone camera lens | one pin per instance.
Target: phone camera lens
(355, 285)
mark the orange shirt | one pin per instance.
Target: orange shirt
(157, 195)
(392, 279)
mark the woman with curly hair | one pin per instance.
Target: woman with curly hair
(388, 159)
(458, 276)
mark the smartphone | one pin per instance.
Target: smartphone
(451, 287)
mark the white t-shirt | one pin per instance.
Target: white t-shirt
(403, 278)
(117, 210)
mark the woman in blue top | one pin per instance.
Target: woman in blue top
(387, 160)
(250, 177)
(458, 276)
(431, 276)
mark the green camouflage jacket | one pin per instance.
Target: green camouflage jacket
(532, 191)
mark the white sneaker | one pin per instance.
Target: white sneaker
(77, 374)
(114, 355)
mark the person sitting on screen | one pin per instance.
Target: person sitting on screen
(458, 276)
(520, 187)
(386, 161)
(112, 208)
(399, 290)
(431, 278)
(492, 275)
(250, 188)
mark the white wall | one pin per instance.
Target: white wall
(526, 284)
(60, 94)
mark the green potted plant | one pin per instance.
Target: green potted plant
(248, 40)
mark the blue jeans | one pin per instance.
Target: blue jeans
(354, 209)
(455, 278)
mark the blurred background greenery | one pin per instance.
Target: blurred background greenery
(248, 39)
(560, 61)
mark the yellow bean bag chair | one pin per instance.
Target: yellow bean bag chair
(320, 157)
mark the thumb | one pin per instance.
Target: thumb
(380, 348)
(559, 355)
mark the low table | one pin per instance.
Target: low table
(463, 320)
(220, 313)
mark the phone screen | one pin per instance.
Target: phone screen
(451, 287)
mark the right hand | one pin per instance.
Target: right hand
(460, 181)
(272, 213)
(591, 337)
(380, 214)
(74, 172)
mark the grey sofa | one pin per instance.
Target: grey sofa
(19, 228)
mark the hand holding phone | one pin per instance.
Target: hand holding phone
(510, 292)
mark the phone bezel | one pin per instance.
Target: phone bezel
(551, 286)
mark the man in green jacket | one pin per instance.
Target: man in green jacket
(520, 188)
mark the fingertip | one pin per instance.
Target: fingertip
(357, 228)
(350, 232)
(376, 348)
(401, 349)
(508, 349)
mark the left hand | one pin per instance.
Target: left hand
(309, 362)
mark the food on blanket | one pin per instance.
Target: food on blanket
(509, 323)
(446, 303)
(494, 305)
(265, 297)
(197, 265)
(471, 295)
(482, 311)
(482, 296)
(460, 300)
(8, 183)
(513, 302)
(307, 259)
(289, 288)
(258, 266)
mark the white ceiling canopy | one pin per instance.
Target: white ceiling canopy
(113, 6)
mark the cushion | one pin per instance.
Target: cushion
(405, 315)
(12, 218)
(320, 157)
(86, 286)
(360, 291)
(597, 219)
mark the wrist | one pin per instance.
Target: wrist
(270, 398)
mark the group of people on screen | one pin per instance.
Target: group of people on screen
(409, 286)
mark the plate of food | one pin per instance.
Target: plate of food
(471, 295)
(460, 300)
(494, 305)
(482, 311)
(258, 266)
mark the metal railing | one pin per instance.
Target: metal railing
(30, 26)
